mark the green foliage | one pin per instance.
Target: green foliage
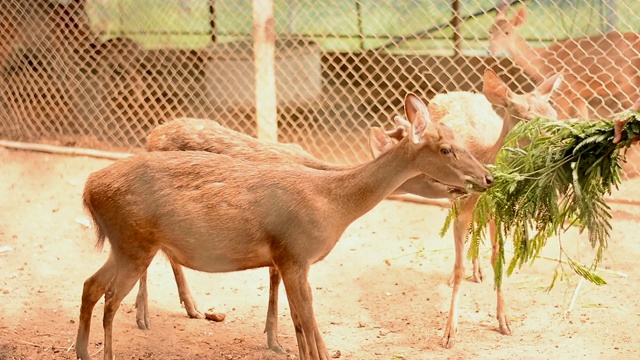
(337, 25)
(559, 179)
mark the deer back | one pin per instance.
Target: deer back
(207, 135)
(196, 206)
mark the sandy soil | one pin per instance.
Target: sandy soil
(380, 294)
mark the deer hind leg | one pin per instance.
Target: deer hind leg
(94, 287)
(310, 343)
(128, 272)
(460, 230)
(271, 326)
(501, 312)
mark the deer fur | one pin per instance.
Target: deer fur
(215, 213)
(594, 66)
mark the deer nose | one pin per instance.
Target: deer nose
(489, 180)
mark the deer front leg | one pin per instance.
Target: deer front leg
(184, 293)
(310, 343)
(460, 226)
(501, 312)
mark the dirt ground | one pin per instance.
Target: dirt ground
(380, 294)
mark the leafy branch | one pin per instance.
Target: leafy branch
(558, 179)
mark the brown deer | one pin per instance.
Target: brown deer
(483, 131)
(207, 135)
(594, 66)
(262, 214)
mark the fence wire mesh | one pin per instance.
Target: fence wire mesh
(103, 73)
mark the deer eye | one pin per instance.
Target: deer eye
(445, 150)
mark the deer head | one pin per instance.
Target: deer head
(435, 145)
(525, 106)
(503, 34)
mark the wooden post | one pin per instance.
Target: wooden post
(455, 25)
(360, 25)
(265, 80)
(609, 11)
(292, 25)
(213, 31)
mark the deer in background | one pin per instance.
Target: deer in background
(595, 66)
(483, 131)
(216, 213)
(187, 134)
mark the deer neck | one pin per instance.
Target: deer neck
(530, 59)
(362, 187)
(508, 123)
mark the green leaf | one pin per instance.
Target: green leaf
(586, 273)
(553, 281)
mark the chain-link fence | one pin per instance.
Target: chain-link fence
(103, 73)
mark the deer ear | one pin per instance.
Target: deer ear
(379, 141)
(494, 89)
(501, 8)
(402, 122)
(547, 87)
(417, 114)
(398, 133)
(519, 17)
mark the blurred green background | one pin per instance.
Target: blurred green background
(351, 25)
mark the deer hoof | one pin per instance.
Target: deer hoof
(477, 276)
(276, 348)
(195, 314)
(143, 323)
(505, 325)
(449, 340)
